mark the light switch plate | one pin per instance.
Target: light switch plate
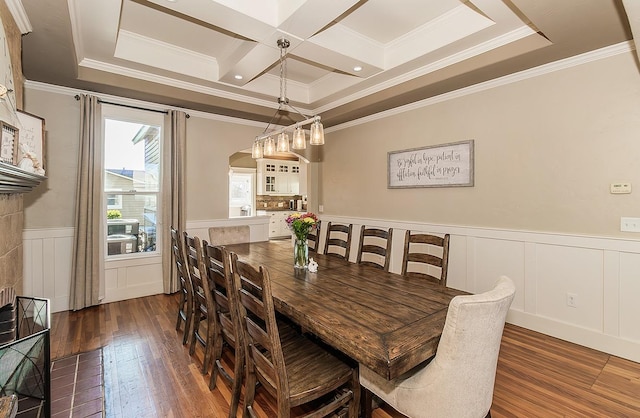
(630, 224)
(620, 188)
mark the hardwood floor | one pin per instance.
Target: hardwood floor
(149, 373)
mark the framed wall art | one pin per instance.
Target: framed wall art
(445, 165)
(8, 143)
(31, 145)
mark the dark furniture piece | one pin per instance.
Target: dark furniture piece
(338, 236)
(203, 308)
(25, 363)
(291, 367)
(419, 258)
(375, 245)
(385, 321)
(228, 335)
(185, 305)
(313, 238)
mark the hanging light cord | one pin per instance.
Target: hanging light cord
(283, 100)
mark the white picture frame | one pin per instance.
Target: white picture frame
(31, 143)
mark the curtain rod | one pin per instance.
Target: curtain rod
(77, 97)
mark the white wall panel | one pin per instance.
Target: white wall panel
(629, 308)
(562, 270)
(495, 258)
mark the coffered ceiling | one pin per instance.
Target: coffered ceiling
(347, 58)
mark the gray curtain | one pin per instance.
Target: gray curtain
(174, 187)
(87, 263)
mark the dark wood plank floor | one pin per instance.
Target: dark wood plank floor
(148, 373)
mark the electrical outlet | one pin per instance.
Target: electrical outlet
(572, 300)
(321, 208)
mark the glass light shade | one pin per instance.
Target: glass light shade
(256, 150)
(299, 140)
(317, 133)
(283, 143)
(269, 146)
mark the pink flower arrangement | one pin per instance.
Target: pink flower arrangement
(302, 223)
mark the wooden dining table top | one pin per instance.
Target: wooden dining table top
(385, 321)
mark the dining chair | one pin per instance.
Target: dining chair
(228, 335)
(459, 381)
(338, 236)
(426, 256)
(292, 368)
(375, 246)
(313, 238)
(185, 304)
(203, 303)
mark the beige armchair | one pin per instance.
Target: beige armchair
(459, 381)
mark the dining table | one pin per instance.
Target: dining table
(385, 321)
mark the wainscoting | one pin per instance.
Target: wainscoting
(602, 273)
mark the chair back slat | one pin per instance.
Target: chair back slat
(313, 238)
(185, 306)
(419, 259)
(375, 247)
(338, 236)
(260, 327)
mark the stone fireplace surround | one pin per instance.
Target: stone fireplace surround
(11, 225)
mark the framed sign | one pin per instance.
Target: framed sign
(8, 143)
(31, 143)
(445, 165)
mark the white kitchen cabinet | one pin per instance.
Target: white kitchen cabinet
(278, 177)
(278, 224)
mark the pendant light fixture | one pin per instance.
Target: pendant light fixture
(264, 144)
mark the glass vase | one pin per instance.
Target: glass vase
(301, 253)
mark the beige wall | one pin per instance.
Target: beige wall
(51, 204)
(209, 145)
(546, 150)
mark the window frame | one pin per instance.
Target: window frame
(125, 114)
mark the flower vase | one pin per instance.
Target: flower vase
(301, 253)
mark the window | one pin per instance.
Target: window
(241, 192)
(132, 167)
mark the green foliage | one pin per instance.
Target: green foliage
(114, 214)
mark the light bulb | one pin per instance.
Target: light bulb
(256, 150)
(269, 146)
(299, 140)
(317, 133)
(283, 142)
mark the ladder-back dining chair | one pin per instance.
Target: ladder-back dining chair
(289, 366)
(204, 308)
(313, 238)
(228, 335)
(426, 256)
(459, 381)
(185, 305)
(337, 243)
(375, 247)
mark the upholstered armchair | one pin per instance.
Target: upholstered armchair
(459, 381)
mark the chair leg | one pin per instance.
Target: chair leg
(249, 394)
(354, 407)
(188, 323)
(196, 325)
(215, 359)
(236, 388)
(367, 402)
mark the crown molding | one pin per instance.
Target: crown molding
(19, 15)
(587, 57)
(52, 88)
